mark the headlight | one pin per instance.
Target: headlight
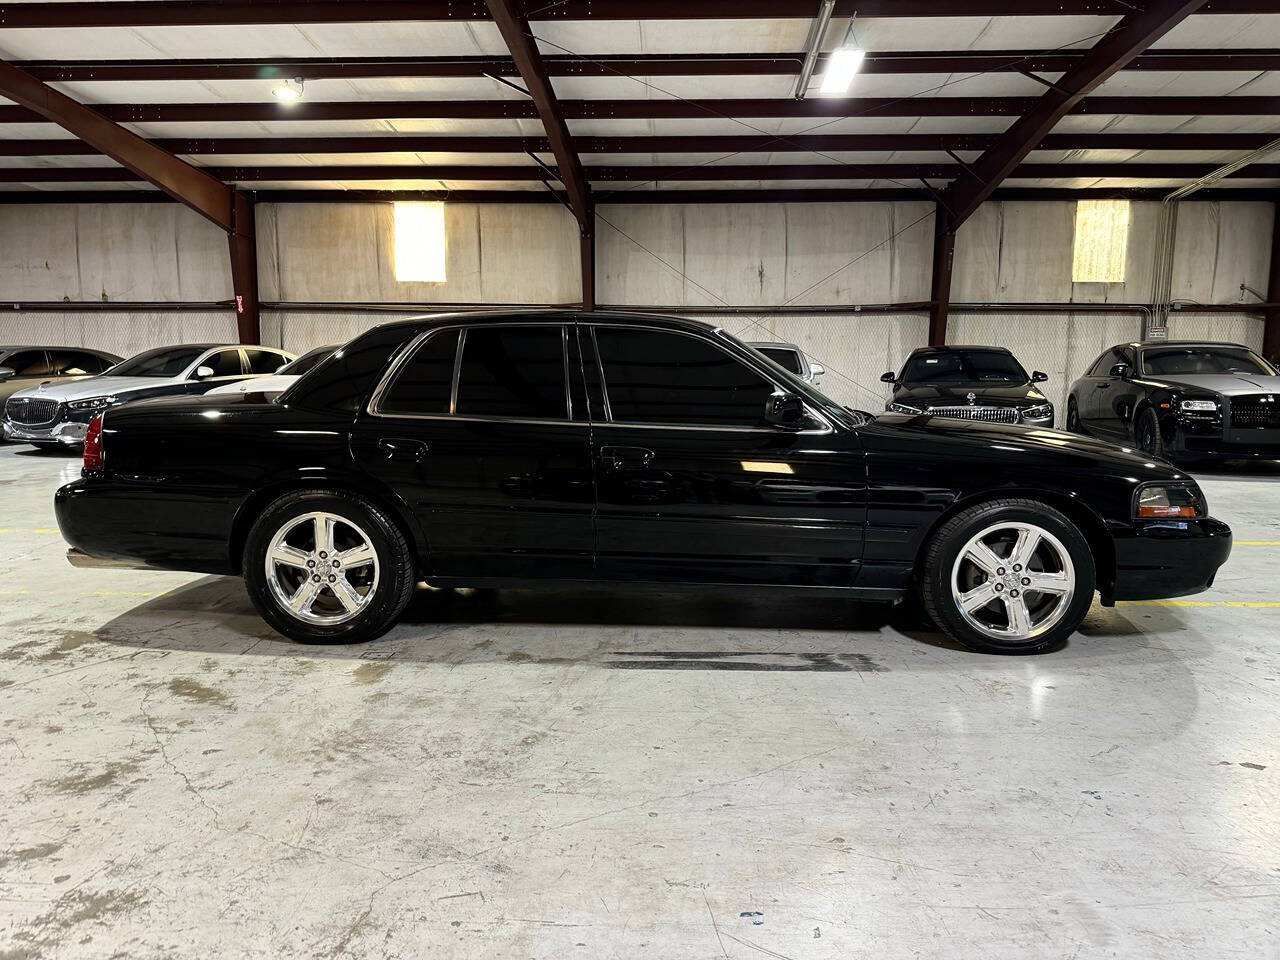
(903, 408)
(93, 403)
(1198, 406)
(1038, 413)
(1159, 501)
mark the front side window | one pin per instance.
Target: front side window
(656, 376)
(965, 366)
(164, 362)
(224, 363)
(516, 372)
(1172, 361)
(28, 363)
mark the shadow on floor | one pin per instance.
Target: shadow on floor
(628, 628)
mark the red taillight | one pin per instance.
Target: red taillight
(93, 444)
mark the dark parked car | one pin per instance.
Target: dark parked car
(1181, 400)
(969, 383)
(23, 367)
(518, 449)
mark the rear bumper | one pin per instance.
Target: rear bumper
(1159, 559)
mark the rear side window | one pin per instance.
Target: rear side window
(264, 361)
(425, 384)
(653, 376)
(72, 363)
(516, 372)
(224, 363)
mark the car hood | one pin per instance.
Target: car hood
(65, 390)
(1223, 384)
(1010, 438)
(957, 394)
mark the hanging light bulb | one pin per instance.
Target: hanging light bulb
(289, 92)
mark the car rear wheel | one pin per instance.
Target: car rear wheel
(328, 567)
(1009, 576)
(1147, 434)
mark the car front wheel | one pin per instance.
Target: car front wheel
(1073, 416)
(1009, 576)
(328, 567)
(1147, 431)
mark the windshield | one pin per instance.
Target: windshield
(305, 362)
(164, 362)
(964, 366)
(1171, 361)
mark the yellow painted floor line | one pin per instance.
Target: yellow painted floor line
(1258, 543)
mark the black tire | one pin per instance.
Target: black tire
(943, 550)
(1146, 434)
(1073, 416)
(395, 558)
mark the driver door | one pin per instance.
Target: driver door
(692, 484)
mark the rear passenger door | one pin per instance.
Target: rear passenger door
(476, 431)
(694, 486)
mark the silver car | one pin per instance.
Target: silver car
(57, 414)
(791, 358)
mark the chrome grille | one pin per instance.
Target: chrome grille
(1257, 411)
(985, 414)
(30, 412)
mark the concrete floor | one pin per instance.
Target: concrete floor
(595, 774)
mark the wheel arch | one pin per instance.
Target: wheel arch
(359, 485)
(1091, 525)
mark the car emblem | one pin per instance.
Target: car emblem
(972, 397)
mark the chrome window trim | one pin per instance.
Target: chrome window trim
(374, 407)
(604, 387)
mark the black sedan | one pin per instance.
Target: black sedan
(969, 383)
(1181, 400)
(536, 448)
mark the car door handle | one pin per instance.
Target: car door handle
(398, 448)
(626, 458)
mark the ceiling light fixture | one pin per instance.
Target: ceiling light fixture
(842, 67)
(289, 92)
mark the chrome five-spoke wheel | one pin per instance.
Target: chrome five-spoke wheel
(1013, 581)
(321, 568)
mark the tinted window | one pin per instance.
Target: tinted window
(786, 359)
(512, 372)
(964, 366)
(658, 377)
(28, 363)
(72, 363)
(296, 368)
(264, 361)
(225, 363)
(1100, 366)
(425, 383)
(164, 362)
(1171, 361)
(343, 384)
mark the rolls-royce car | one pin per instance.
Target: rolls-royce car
(23, 367)
(517, 449)
(1181, 400)
(57, 414)
(792, 358)
(277, 383)
(969, 383)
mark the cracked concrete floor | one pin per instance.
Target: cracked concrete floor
(597, 774)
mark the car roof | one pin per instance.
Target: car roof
(957, 347)
(552, 316)
(1155, 344)
(10, 348)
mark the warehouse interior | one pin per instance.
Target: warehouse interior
(610, 772)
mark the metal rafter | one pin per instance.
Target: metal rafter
(143, 160)
(524, 51)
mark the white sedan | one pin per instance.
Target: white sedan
(280, 381)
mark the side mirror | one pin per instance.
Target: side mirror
(204, 372)
(6, 373)
(1120, 370)
(785, 410)
(888, 377)
(1038, 377)
(816, 370)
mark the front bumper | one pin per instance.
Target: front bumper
(67, 433)
(1159, 559)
